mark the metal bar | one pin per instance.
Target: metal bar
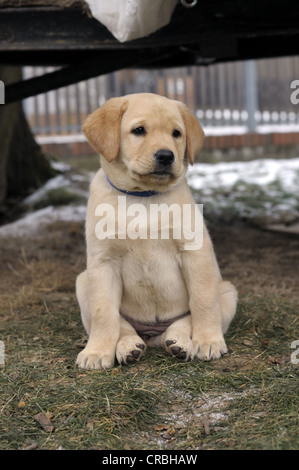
(78, 72)
(47, 111)
(68, 109)
(234, 101)
(222, 91)
(78, 109)
(238, 89)
(58, 111)
(251, 97)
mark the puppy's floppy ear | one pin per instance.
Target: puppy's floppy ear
(194, 133)
(102, 127)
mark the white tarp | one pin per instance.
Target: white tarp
(132, 19)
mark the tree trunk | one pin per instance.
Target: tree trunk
(23, 166)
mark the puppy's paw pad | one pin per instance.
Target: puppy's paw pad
(87, 360)
(130, 350)
(209, 351)
(180, 349)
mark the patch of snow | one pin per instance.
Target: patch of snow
(69, 182)
(54, 183)
(212, 130)
(277, 128)
(260, 172)
(35, 222)
(60, 139)
(225, 130)
(60, 166)
(221, 187)
(265, 191)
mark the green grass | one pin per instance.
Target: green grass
(245, 201)
(246, 400)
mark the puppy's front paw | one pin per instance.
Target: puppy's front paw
(179, 347)
(211, 350)
(130, 349)
(94, 360)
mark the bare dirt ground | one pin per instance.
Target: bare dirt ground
(255, 260)
(158, 403)
(258, 261)
(38, 272)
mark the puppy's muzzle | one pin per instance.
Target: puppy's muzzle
(164, 157)
(164, 160)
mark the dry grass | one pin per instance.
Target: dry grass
(246, 400)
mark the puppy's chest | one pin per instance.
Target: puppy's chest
(153, 267)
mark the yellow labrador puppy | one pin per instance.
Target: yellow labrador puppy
(147, 282)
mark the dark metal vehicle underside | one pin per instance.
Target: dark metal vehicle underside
(63, 33)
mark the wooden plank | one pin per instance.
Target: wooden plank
(44, 3)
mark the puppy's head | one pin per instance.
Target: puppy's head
(147, 140)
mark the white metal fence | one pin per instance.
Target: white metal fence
(230, 97)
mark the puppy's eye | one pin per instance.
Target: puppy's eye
(138, 131)
(176, 134)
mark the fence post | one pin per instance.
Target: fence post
(251, 93)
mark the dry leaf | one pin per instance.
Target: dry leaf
(49, 415)
(32, 446)
(206, 426)
(169, 434)
(161, 427)
(278, 359)
(90, 425)
(44, 421)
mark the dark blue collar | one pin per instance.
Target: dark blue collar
(134, 193)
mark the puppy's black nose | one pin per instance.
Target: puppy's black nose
(164, 157)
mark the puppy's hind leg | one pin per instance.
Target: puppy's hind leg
(82, 296)
(228, 302)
